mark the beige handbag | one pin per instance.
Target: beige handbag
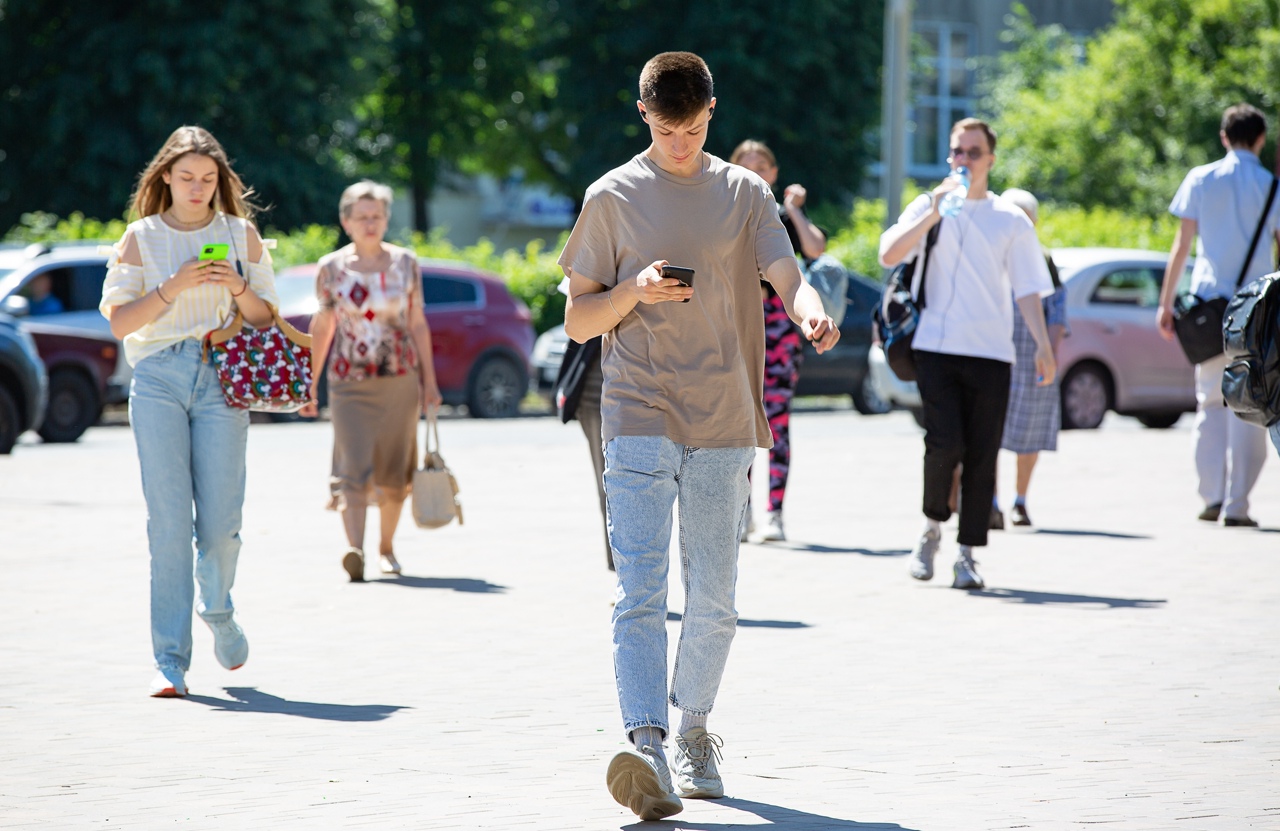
(435, 491)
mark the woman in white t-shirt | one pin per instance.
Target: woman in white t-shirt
(161, 300)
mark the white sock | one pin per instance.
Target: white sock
(966, 552)
(932, 526)
(688, 721)
(651, 736)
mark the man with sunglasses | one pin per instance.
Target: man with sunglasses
(681, 408)
(963, 343)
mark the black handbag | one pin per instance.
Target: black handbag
(1198, 323)
(577, 360)
(896, 316)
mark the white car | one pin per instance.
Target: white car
(1115, 358)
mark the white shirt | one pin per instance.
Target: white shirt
(1225, 199)
(983, 258)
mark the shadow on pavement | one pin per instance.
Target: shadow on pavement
(458, 584)
(1074, 532)
(250, 700)
(1053, 599)
(676, 617)
(830, 549)
(776, 816)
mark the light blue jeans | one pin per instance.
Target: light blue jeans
(191, 449)
(644, 476)
(1274, 430)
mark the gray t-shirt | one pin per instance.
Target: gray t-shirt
(693, 372)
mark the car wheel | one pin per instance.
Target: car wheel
(497, 385)
(1086, 397)
(1159, 421)
(10, 422)
(74, 406)
(867, 401)
(918, 414)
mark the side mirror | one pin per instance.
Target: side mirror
(15, 305)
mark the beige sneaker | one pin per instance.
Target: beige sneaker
(696, 776)
(390, 565)
(353, 562)
(639, 779)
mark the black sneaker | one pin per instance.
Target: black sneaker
(1210, 512)
(1019, 515)
(997, 520)
(1239, 522)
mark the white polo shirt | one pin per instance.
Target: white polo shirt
(983, 258)
(1225, 199)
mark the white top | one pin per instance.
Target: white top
(1225, 199)
(196, 311)
(984, 258)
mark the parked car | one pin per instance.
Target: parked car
(23, 384)
(79, 364)
(1115, 358)
(75, 273)
(481, 336)
(841, 371)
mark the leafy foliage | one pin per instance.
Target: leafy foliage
(802, 77)
(86, 98)
(1122, 126)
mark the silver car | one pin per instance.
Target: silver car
(1115, 358)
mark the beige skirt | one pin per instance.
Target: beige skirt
(375, 441)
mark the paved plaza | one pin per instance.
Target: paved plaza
(1120, 670)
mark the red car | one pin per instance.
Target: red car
(79, 362)
(481, 336)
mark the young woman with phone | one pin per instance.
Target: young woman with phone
(783, 344)
(162, 299)
(380, 371)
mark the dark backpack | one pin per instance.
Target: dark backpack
(1251, 334)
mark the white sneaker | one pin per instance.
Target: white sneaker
(966, 572)
(390, 565)
(696, 776)
(773, 528)
(170, 684)
(924, 552)
(639, 779)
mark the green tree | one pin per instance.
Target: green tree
(803, 77)
(1119, 120)
(88, 93)
(458, 86)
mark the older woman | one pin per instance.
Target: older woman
(161, 300)
(380, 370)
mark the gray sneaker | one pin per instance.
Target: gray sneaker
(923, 554)
(639, 779)
(696, 776)
(230, 646)
(966, 573)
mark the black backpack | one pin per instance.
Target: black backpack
(1251, 334)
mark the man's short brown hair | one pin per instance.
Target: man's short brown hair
(977, 124)
(1243, 125)
(676, 86)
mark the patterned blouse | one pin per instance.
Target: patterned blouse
(371, 314)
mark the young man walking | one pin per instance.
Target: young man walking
(681, 408)
(963, 344)
(1222, 203)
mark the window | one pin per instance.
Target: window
(438, 290)
(1130, 287)
(78, 288)
(942, 93)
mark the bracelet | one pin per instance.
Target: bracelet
(243, 290)
(609, 297)
(160, 294)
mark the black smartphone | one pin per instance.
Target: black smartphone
(684, 275)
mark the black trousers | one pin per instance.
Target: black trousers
(964, 401)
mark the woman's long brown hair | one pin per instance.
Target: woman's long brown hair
(152, 195)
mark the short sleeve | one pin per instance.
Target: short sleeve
(324, 287)
(1186, 202)
(412, 274)
(591, 249)
(124, 282)
(772, 242)
(1028, 273)
(262, 278)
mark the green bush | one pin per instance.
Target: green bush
(45, 227)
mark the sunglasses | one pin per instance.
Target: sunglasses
(973, 153)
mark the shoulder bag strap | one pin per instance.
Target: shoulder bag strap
(924, 264)
(1257, 232)
(432, 447)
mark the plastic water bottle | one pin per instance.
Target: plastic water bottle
(953, 200)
